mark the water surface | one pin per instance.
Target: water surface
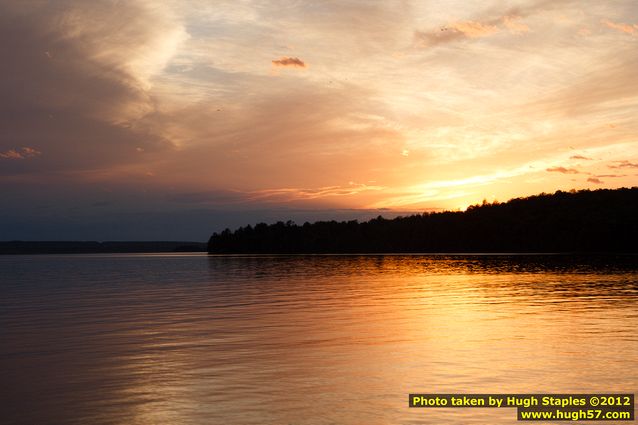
(193, 339)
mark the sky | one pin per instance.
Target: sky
(169, 120)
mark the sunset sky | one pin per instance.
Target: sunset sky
(145, 119)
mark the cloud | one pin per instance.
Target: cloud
(473, 29)
(612, 175)
(491, 20)
(454, 32)
(580, 157)
(609, 81)
(563, 170)
(110, 90)
(278, 195)
(80, 87)
(594, 180)
(624, 164)
(317, 138)
(622, 27)
(514, 24)
(22, 153)
(470, 29)
(315, 193)
(292, 62)
(584, 32)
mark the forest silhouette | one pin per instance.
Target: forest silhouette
(604, 220)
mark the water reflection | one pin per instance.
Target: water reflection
(306, 340)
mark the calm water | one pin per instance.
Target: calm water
(191, 339)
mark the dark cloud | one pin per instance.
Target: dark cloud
(289, 62)
(563, 170)
(69, 89)
(594, 180)
(612, 175)
(21, 153)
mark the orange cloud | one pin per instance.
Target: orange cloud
(622, 27)
(289, 62)
(594, 180)
(23, 153)
(563, 170)
(454, 32)
(474, 29)
(470, 29)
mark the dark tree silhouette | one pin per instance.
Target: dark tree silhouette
(578, 221)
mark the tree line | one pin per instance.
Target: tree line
(603, 220)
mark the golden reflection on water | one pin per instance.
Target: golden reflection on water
(308, 340)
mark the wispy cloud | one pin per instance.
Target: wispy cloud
(470, 29)
(292, 62)
(580, 157)
(454, 32)
(624, 164)
(622, 27)
(515, 25)
(21, 153)
(306, 194)
(287, 194)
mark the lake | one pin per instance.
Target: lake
(197, 339)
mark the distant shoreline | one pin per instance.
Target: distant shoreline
(94, 247)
